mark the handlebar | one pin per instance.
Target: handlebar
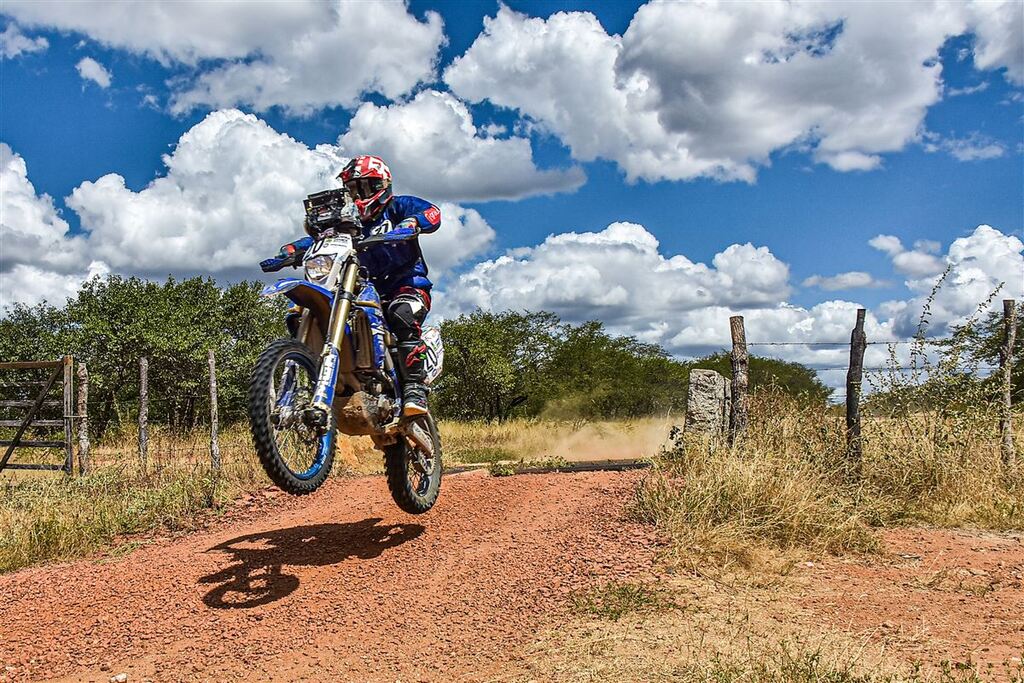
(272, 265)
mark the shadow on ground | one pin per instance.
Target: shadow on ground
(255, 577)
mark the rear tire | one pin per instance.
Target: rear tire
(413, 491)
(264, 432)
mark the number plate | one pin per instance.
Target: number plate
(332, 246)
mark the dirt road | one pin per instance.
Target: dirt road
(337, 586)
(341, 586)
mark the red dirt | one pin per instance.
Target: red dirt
(936, 595)
(338, 586)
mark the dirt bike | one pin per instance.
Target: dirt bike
(336, 372)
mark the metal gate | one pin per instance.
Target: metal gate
(16, 395)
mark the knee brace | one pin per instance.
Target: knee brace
(405, 314)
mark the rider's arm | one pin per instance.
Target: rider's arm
(420, 216)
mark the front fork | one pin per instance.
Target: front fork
(323, 398)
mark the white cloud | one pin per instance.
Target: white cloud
(464, 235)
(619, 276)
(13, 43)
(435, 151)
(918, 262)
(302, 55)
(186, 31)
(816, 336)
(968, 90)
(91, 70)
(999, 37)
(39, 259)
(713, 89)
(974, 147)
(853, 279)
(389, 52)
(29, 284)
(972, 269)
(231, 195)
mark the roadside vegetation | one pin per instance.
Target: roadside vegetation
(931, 455)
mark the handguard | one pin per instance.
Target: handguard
(290, 255)
(272, 265)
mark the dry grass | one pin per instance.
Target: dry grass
(783, 491)
(787, 486)
(61, 518)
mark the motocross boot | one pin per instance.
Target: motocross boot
(414, 390)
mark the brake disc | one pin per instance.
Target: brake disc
(422, 463)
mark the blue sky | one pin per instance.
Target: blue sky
(948, 87)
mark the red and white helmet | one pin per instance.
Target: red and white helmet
(368, 180)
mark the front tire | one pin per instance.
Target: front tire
(290, 455)
(414, 491)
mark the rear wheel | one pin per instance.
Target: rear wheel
(414, 477)
(281, 387)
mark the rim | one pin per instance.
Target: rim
(420, 481)
(292, 385)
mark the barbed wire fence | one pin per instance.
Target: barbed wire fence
(738, 399)
(188, 429)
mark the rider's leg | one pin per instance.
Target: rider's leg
(405, 314)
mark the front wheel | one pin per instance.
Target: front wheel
(293, 454)
(414, 477)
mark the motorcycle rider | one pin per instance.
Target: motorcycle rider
(394, 263)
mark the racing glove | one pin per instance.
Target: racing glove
(406, 230)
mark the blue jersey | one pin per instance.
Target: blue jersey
(400, 263)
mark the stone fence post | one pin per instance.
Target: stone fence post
(707, 403)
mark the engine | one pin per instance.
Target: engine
(363, 412)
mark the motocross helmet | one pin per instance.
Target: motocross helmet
(368, 181)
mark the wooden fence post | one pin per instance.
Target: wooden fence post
(854, 378)
(83, 419)
(738, 416)
(143, 412)
(69, 415)
(1006, 365)
(214, 447)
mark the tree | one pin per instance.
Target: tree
(598, 375)
(501, 364)
(495, 363)
(113, 322)
(979, 343)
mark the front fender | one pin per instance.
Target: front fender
(306, 294)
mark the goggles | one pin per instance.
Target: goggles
(364, 188)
